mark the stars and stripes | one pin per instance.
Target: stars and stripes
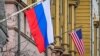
(78, 41)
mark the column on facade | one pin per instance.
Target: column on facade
(65, 27)
(57, 48)
(73, 25)
(99, 27)
(95, 41)
(53, 13)
(72, 15)
(57, 26)
(95, 37)
(70, 28)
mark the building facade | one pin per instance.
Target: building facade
(67, 16)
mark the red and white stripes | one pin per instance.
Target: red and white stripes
(78, 43)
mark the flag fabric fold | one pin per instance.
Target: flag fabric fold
(34, 28)
(39, 20)
(42, 22)
(46, 6)
(78, 41)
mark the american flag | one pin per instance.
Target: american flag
(78, 41)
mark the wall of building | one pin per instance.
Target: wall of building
(83, 19)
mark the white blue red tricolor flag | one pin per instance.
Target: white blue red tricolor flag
(78, 41)
(39, 19)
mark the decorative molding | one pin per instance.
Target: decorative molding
(73, 3)
(96, 24)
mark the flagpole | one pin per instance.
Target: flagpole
(71, 30)
(18, 12)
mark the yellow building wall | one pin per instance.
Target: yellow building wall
(83, 19)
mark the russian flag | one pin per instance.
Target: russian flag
(39, 19)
